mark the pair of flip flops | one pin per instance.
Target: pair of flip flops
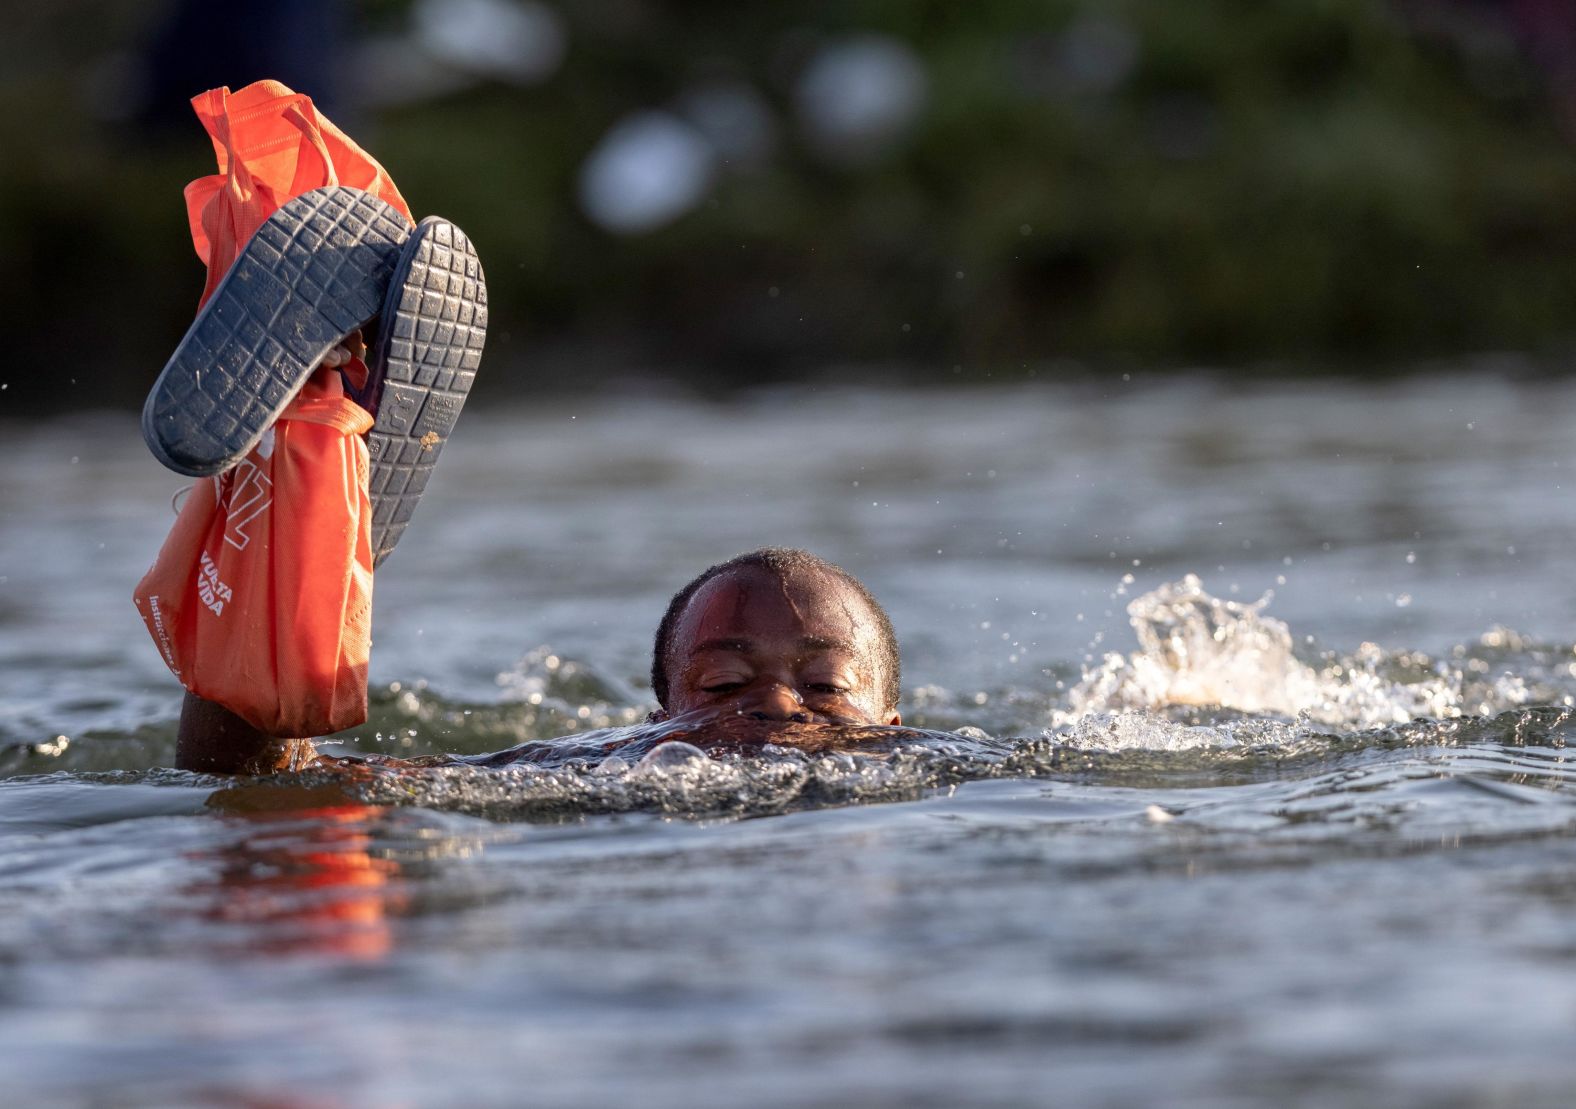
(323, 265)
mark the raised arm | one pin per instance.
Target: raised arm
(214, 740)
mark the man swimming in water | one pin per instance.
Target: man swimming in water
(754, 649)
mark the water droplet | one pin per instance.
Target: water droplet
(670, 756)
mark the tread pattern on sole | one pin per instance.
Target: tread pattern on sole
(318, 268)
(427, 351)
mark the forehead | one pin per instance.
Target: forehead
(751, 603)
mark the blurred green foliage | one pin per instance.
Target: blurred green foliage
(1310, 182)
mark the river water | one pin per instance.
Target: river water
(1156, 838)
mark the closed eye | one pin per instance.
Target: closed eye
(722, 687)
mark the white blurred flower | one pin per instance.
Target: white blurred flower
(514, 40)
(859, 95)
(651, 168)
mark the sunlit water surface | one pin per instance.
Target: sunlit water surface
(1148, 841)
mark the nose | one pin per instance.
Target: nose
(779, 702)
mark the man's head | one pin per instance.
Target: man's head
(777, 634)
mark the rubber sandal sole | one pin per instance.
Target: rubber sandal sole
(421, 365)
(318, 268)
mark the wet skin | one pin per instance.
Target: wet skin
(778, 650)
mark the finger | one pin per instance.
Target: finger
(336, 357)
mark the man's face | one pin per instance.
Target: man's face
(800, 648)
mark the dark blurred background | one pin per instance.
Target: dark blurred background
(884, 190)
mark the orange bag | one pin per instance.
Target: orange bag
(272, 146)
(261, 598)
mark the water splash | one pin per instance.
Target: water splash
(631, 771)
(1150, 731)
(711, 770)
(1198, 650)
(1210, 676)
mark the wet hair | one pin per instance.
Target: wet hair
(781, 562)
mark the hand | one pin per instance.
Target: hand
(350, 347)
